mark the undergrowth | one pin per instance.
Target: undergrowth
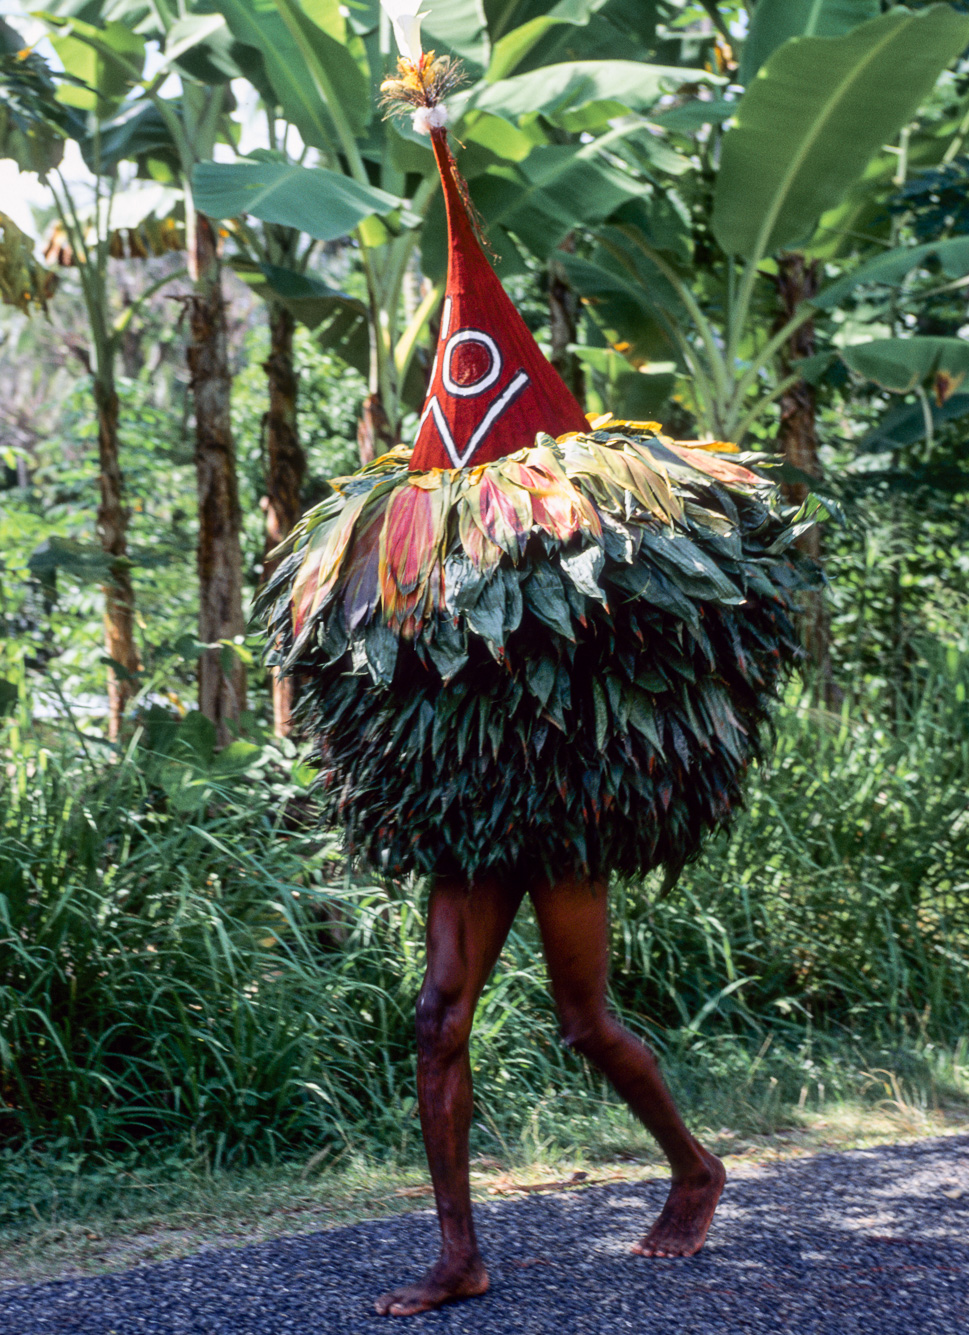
(189, 974)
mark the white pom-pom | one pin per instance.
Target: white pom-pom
(427, 119)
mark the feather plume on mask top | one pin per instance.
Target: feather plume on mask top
(423, 78)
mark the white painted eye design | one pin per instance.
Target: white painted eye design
(472, 363)
(471, 383)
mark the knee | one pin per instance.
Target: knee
(589, 1030)
(443, 1022)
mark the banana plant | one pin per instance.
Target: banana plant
(195, 49)
(273, 258)
(531, 175)
(816, 112)
(319, 80)
(42, 112)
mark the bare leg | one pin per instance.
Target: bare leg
(466, 928)
(573, 918)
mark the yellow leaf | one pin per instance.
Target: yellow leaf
(716, 446)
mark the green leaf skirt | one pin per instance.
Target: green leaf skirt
(563, 661)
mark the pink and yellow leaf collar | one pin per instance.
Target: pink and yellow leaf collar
(384, 540)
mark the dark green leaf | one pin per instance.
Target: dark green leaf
(643, 719)
(601, 713)
(690, 569)
(448, 649)
(322, 203)
(486, 617)
(9, 697)
(381, 645)
(540, 675)
(545, 597)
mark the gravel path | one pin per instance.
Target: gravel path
(873, 1242)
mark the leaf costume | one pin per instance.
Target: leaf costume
(535, 644)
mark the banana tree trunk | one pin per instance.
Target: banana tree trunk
(284, 475)
(222, 678)
(797, 281)
(563, 312)
(377, 426)
(119, 598)
(375, 433)
(797, 439)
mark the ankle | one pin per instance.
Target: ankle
(460, 1256)
(700, 1170)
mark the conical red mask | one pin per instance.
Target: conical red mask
(491, 389)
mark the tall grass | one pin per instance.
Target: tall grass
(186, 966)
(843, 896)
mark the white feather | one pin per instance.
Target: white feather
(405, 16)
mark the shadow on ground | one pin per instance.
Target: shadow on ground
(872, 1242)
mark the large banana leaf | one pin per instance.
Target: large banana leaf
(458, 28)
(104, 81)
(334, 56)
(904, 424)
(557, 187)
(322, 203)
(211, 53)
(309, 298)
(902, 364)
(33, 124)
(614, 385)
(509, 51)
(137, 134)
(774, 21)
(890, 268)
(628, 298)
(504, 15)
(259, 23)
(590, 29)
(583, 94)
(338, 320)
(819, 109)
(861, 214)
(542, 197)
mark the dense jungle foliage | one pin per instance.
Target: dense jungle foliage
(188, 965)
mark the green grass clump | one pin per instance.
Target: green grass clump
(163, 965)
(188, 974)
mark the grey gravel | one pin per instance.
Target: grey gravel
(873, 1241)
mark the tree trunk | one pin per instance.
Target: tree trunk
(284, 475)
(375, 434)
(797, 281)
(222, 677)
(119, 598)
(563, 314)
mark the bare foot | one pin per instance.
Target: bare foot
(681, 1228)
(445, 1282)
